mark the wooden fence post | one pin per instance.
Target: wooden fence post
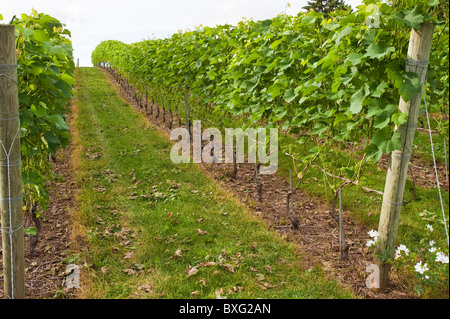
(10, 169)
(417, 62)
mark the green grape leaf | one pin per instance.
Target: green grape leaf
(399, 118)
(290, 95)
(382, 120)
(356, 101)
(386, 142)
(343, 33)
(414, 18)
(380, 89)
(40, 35)
(354, 59)
(394, 73)
(275, 44)
(378, 50)
(39, 111)
(30, 231)
(250, 84)
(411, 85)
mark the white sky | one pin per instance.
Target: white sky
(133, 20)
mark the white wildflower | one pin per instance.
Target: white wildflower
(432, 249)
(429, 227)
(432, 242)
(400, 248)
(370, 243)
(441, 257)
(374, 234)
(421, 268)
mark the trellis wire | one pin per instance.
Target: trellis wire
(445, 155)
(434, 163)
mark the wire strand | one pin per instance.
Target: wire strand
(434, 161)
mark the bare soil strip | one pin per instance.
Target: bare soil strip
(45, 268)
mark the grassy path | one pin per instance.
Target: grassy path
(155, 229)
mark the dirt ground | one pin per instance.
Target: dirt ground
(45, 270)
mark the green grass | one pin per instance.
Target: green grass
(133, 229)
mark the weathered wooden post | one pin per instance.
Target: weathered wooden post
(10, 169)
(417, 62)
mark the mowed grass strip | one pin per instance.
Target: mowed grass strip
(155, 229)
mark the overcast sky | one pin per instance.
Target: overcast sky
(133, 20)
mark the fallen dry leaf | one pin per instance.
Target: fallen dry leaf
(192, 270)
(238, 288)
(268, 268)
(268, 286)
(253, 269)
(207, 263)
(100, 189)
(137, 266)
(202, 232)
(234, 289)
(177, 254)
(194, 293)
(229, 267)
(129, 271)
(261, 286)
(146, 288)
(128, 255)
(219, 293)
